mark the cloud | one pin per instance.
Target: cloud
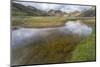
(63, 7)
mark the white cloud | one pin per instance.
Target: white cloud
(63, 7)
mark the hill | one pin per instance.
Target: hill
(22, 10)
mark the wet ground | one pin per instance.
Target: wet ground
(22, 38)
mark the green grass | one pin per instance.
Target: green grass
(85, 51)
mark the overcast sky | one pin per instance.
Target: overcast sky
(62, 7)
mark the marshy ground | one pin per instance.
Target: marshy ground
(53, 45)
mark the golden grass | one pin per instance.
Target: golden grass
(47, 21)
(53, 49)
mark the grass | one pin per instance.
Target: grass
(85, 51)
(52, 49)
(41, 21)
(90, 22)
(55, 48)
(38, 21)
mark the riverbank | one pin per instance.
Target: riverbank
(37, 43)
(86, 49)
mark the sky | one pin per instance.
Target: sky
(46, 7)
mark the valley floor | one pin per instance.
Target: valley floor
(53, 49)
(47, 21)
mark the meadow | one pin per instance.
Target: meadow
(43, 33)
(55, 48)
(46, 21)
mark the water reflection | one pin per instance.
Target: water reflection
(78, 28)
(25, 36)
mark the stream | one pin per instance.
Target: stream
(58, 41)
(25, 36)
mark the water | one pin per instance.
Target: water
(24, 36)
(78, 28)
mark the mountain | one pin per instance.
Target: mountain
(56, 12)
(19, 9)
(74, 14)
(88, 13)
(22, 10)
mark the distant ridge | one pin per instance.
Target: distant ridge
(19, 9)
